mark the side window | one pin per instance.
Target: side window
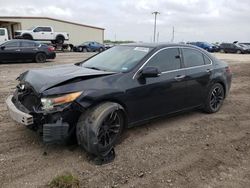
(27, 44)
(12, 44)
(207, 60)
(166, 60)
(38, 29)
(46, 29)
(2, 32)
(192, 57)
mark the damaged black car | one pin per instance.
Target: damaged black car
(127, 85)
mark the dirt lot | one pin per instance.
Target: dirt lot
(189, 150)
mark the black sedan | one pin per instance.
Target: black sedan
(122, 87)
(25, 50)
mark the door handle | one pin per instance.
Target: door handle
(209, 71)
(180, 77)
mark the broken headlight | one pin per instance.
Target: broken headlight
(50, 102)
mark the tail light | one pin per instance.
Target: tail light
(51, 49)
(228, 70)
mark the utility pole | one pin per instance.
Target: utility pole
(158, 36)
(155, 13)
(172, 40)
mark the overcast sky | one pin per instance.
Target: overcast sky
(194, 20)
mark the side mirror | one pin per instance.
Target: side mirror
(2, 47)
(149, 72)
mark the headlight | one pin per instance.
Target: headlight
(50, 102)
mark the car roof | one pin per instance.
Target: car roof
(158, 45)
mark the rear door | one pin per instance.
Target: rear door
(10, 51)
(199, 71)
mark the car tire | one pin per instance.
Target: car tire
(222, 51)
(80, 49)
(214, 99)
(40, 58)
(238, 52)
(59, 40)
(99, 129)
(101, 50)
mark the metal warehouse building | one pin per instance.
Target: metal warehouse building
(78, 33)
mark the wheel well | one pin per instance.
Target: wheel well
(123, 109)
(61, 36)
(223, 85)
(27, 34)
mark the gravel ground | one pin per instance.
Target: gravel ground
(189, 150)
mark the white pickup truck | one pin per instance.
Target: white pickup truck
(3, 35)
(42, 33)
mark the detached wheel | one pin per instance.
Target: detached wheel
(215, 98)
(40, 58)
(99, 129)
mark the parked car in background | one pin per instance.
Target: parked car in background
(205, 45)
(108, 45)
(25, 50)
(42, 33)
(233, 48)
(90, 46)
(3, 35)
(122, 87)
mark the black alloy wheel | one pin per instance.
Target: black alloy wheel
(110, 129)
(40, 58)
(216, 98)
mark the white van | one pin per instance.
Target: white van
(3, 35)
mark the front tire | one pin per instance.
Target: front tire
(40, 58)
(60, 40)
(99, 129)
(215, 98)
(238, 52)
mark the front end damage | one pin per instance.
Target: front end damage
(55, 126)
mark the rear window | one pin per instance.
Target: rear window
(192, 57)
(2, 32)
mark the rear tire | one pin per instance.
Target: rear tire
(99, 129)
(40, 58)
(101, 50)
(60, 40)
(215, 98)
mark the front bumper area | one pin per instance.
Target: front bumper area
(53, 127)
(18, 115)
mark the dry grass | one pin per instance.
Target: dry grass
(66, 180)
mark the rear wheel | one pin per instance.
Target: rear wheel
(60, 40)
(215, 98)
(99, 129)
(101, 50)
(40, 58)
(80, 49)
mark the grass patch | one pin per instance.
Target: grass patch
(66, 180)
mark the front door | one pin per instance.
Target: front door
(10, 51)
(161, 95)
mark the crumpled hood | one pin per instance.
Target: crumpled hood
(45, 78)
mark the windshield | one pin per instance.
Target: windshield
(117, 59)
